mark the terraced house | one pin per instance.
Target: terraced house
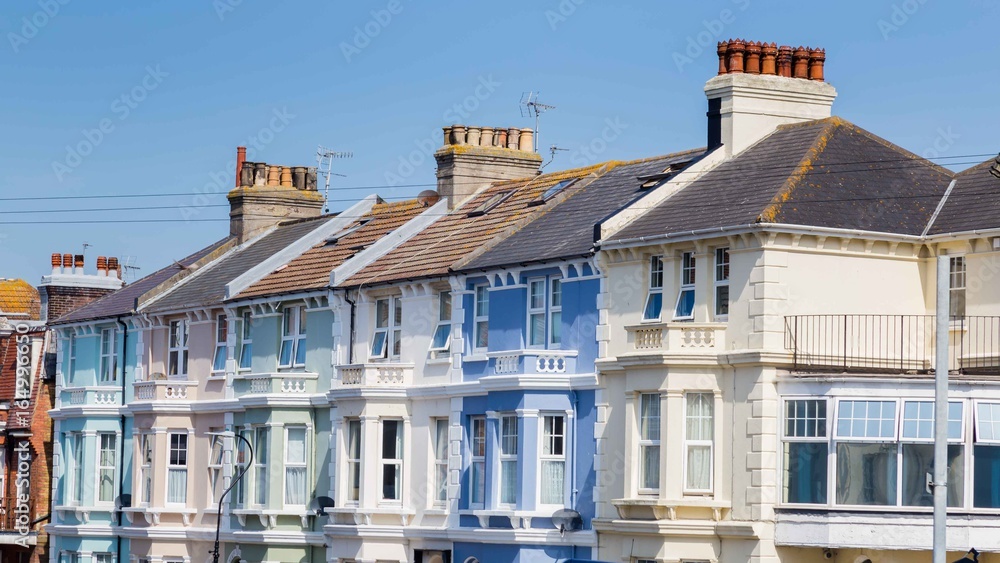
(718, 354)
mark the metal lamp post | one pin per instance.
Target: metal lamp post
(236, 481)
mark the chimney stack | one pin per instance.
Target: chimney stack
(760, 86)
(69, 287)
(473, 157)
(267, 194)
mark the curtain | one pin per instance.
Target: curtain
(508, 482)
(478, 481)
(177, 486)
(553, 475)
(295, 485)
(107, 485)
(650, 467)
(699, 467)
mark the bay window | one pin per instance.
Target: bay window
(544, 313)
(386, 340)
(986, 454)
(440, 459)
(293, 337)
(698, 442)
(109, 356)
(866, 454)
(536, 313)
(508, 460)
(917, 453)
(482, 319)
(441, 342)
(295, 466)
(354, 460)
(553, 460)
(177, 349)
(246, 341)
(221, 335)
(477, 467)
(392, 460)
(654, 299)
(721, 283)
(177, 468)
(684, 309)
(106, 463)
(649, 442)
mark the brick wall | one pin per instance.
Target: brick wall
(59, 300)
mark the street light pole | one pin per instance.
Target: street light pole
(246, 467)
(940, 484)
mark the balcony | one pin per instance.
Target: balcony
(95, 396)
(897, 344)
(165, 390)
(374, 375)
(293, 383)
(681, 341)
(532, 362)
(15, 522)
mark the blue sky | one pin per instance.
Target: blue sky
(145, 98)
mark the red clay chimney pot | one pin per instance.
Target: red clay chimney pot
(816, 59)
(56, 260)
(785, 61)
(769, 52)
(735, 54)
(241, 156)
(67, 260)
(721, 51)
(800, 63)
(753, 58)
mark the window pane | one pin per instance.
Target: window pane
(805, 472)
(378, 344)
(988, 421)
(382, 313)
(699, 468)
(552, 482)
(479, 437)
(300, 352)
(986, 477)
(508, 435)
(649, 417)
(721, 264)
(219, 363)
(556, 293)
(246, 355)
(537, 295)
(508, 482)
(296, 445)
(295, 485)
(482, 334)
(537, 329)
(867, 419)
(656, 272)
(442, 335)
(918, 461)
(482, 301)
(556, 328)
(685, 304)
(478, 479)
(722, 300)
(687, 268)
(397, 314)
(805, 418)
(441, 439)
(391, 439)
(699, 416)
(287, 320)
(650, 469)
(285, 359)
(654, 305)
(444, 306)
(918, 420)
(866, 474)
(391, 482)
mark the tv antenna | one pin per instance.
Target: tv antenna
(129, 268)
(86, 245)
(324, 160)
(553, 150)
(531, 107)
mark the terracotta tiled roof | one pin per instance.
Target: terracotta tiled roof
(18, 297)
(433, 251)
(311, 270)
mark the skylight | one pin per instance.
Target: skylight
(554, 191)
(490, 203)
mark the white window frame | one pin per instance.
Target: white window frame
(109, 356)
(176, 467)
(302, 465)
(439, 455)
(555, 312)
(655, 288)
(838, 437)
(106, 465)
(221, 339)
(930, 439)
(508, 458)
(293, 335)
(688, 265)
(71, 370)
(650, 443)
(536, 311)
(828, 419)
(75, 447)
(957, 272)
(481, 317)
(177, 349)
(549, 441)
(391, 333)
(477, 460)
(245, 356)
(690, 443)
(721, 278)
(216, 461)
(103, 557)
(240, 466)
(443, 325)
(994, 438)
(397, 461)
(354, 433)
(146, 451)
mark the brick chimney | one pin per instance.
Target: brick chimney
(761, 86)
(267, 194)
(69, 287)
(473, 157)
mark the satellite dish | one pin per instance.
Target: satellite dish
(322, 503)
(123, 501)
(567, 520)
(972, 556)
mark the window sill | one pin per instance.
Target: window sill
(152, 514)
(442, 361)
(363, 516)
(519, 519)
(269, 518)
(476, 357)
(667, 509)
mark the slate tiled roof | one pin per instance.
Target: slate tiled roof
(437, 248)
(825, 173)
(208, 287)
(974, 203)
(311, 270)
(122, 302)
(567, 227)
(18, 297)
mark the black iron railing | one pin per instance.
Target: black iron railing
(12, 516)
(891, 343)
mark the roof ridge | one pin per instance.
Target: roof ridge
(770, 213)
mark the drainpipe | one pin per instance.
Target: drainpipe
(121, 424)
(576, 440)
(350, 338)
